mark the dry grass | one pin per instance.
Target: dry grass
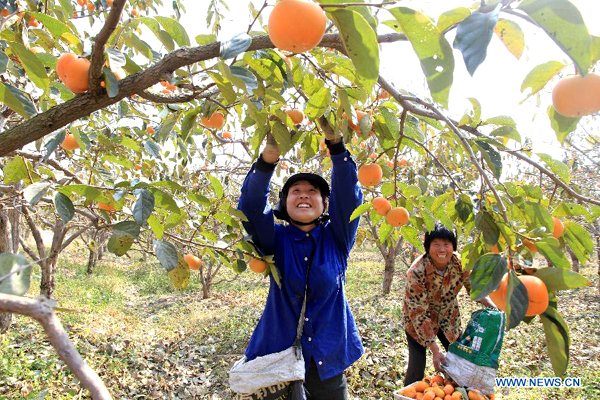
(149, 341)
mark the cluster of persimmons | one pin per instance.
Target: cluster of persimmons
(438, 388)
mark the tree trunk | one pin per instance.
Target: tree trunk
(389, 269)
(5, 247)
(48, 282)
(93, 248)
(92, 261)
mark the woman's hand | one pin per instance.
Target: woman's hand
(271, 153)
(486, 301)
(438, 357)
(328, 130)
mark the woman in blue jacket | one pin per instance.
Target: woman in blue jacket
(318, 233)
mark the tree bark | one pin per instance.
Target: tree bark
(5, 247)
(48, 281)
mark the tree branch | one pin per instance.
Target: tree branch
(85, 104)
(39, 243)
(97, 58)
(183, 98)
(41, 309)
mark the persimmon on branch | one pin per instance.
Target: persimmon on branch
(42, 310)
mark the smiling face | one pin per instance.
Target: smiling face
(304, 202)
(440, 251)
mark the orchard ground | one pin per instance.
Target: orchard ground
(147, 340)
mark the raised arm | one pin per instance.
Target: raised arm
(346, 193)
(254, 199)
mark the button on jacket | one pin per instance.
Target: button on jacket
(430, 302)
(330, 335)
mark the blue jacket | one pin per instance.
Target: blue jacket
(330, 335)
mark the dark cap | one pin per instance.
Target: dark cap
(314, 179)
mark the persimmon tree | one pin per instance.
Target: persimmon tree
(153, 168)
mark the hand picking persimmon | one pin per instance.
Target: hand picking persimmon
(296, 25)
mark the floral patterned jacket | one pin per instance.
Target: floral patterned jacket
(430, 302)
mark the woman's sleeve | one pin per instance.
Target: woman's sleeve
(346, 195)
(418, 307)
(254, 204)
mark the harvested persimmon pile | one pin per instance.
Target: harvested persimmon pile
(439, 388)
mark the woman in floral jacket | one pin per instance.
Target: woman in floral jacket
(430, 302)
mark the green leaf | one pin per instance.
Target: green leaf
(473, 37)
(486, 224)
(282, 136)
(561, 279)
(57, 28)
(503, 120)
(507, 132)
(116, 59)
(558, 340)
(180, 275)
(133, 41)
(563, 22)
(174, 28)
(516, 308)
(476, 111)
(538, 216)
(562, 125)
(433, 50)
(157, 227)
(111, 83)
(412, 236)
(166, 253)
(548, 247)
(360, 210)
(3, 62)
(161, 35)
(556, 166)
(152, 148)
(205, 39)
(235, 46)
(17, 100)
(18, 283)
(216, 186)
(143, 206)
(360, 41)
(33, 193)
(33, 66)
(89, 192)
(579, 240)
(120, 243)
(570, 210)
(165, 201)
(318, 103)
(167, 125)
(486, 275)
(464, 207)
(452, 17)
(188, 122)
(247, 77)
(491, 157)
(127, 228)
(15, 170)
(539, 76)
(511, 34)
(64, 207)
